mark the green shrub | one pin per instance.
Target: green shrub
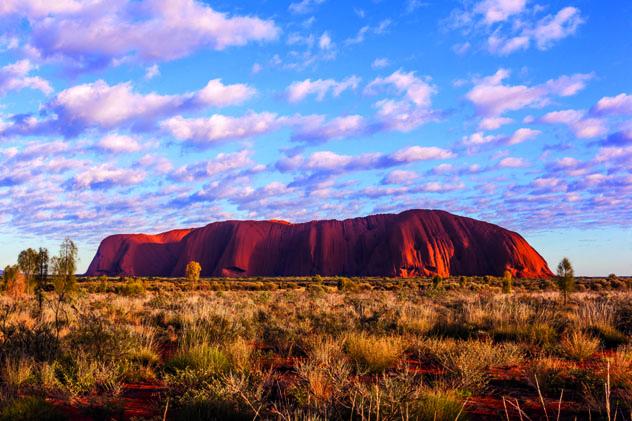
(346, 284)
(82, 375)
(623, 317)
(316, 290)
(438, 404)
(100, 339)
(103, 285)
(608, 335)
(15, 374)
(231, 397)
(39, 342)
(507, 282)
(203, 356)
(30, 408)
(467, 363)
(132, 287)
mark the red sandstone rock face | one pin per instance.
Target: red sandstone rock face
(412, 243)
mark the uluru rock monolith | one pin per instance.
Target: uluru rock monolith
(411, 243)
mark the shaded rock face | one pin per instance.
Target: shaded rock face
(412, 243)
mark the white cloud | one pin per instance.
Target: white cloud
(497, 44)
(493, 123)
(152, 30)
(576, 120)
(295, 38)
(327, 160)
(218, 127)
(494, 11)
(106, 175)
(359, 38)
(331, 162)
(511, 162)
(613, 105)
(380, 63)
(553, 28)
(222, 164)
(492, 98)
(421, 153)
(443, 169)
(304, 6)
(290, 163)
(116, 143)
(216, 94)
(510, 25)
(108, 106)
(159, 163)
(298, 91)
(479, 138)
(461, 48)
(152, 71)
(14, 77)
(324, 42)
(522, 135)
(614, 154)
(379, 29)
(413, 5)
(401, 115)
(317, 129)
(228, 161)
(39, 8)
(400, 177)
(416, 89)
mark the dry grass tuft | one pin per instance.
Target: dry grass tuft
(374, 354)
(579, 346)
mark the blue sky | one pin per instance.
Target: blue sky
(142, 116)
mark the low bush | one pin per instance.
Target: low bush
(578, 345)
(608, 335)
(203, 357)
(30, 408)
(239, 353)
(15, 374)
(82, 375)
(438, 404)
(373, 354)
(131, 288)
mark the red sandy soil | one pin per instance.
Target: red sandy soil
(143, 400)
(138, 401)
(509, 390)
(412, 243)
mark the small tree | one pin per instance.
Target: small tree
(64, 279)
(192, 272)
(64, 268)
(437, 282)
(7, 276)
(565, 278)
(41, 277)
(507, 282)
(13, 280)
(27, 261)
